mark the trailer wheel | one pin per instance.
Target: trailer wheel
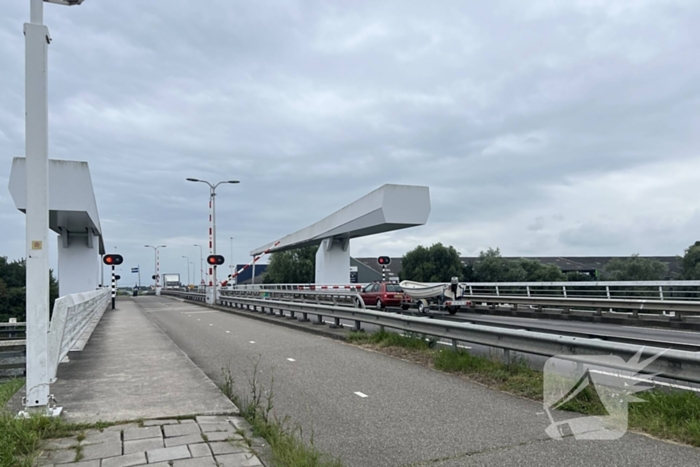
(452, 309)
(422, 306)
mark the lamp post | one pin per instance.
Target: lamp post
(201, 265)
(157, 259)
(194, 276)
(231, 265)
(188, 270)
(211, 299)
(37, 40)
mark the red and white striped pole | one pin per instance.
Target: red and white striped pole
(232, 276)
(157, 272)
(211, 241)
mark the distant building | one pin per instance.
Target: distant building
(246, 276)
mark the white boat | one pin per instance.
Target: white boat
(418, 290)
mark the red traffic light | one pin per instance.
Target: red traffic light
(113, 260)
(384, 260)
(215, 260)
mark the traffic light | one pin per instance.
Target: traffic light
(384, 260)
(113, 260)
(153, 277)
(117, 277)
(215, 260)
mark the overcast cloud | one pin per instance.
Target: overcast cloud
(543, 127)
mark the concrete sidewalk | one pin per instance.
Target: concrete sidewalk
(131, 370)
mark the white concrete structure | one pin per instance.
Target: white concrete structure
(73, 216)
(391, 207)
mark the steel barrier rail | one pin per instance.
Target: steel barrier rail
(72, 316)
(660, 290)
(679, 307)
(672, 363)
(12, 358)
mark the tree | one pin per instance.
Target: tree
(575, 276)
(538, 272)
(492, 267)
(292, 266)
(690, 262)
(435, 264)
(635, 268)
(12, 290)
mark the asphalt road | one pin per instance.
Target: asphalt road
(374, 410)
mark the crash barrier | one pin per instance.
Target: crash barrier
(673, 363)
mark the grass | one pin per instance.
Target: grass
(671, 415)
(20, 438)
(289, 449)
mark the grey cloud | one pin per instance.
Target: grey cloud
(313, 105)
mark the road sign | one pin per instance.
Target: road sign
(134, 270)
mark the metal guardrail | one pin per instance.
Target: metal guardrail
(12, 331)
(659, 290)
(677, 364)
(12, 358)
(73, 316)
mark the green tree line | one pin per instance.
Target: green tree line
(12, 289)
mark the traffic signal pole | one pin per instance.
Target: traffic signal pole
(114, 287)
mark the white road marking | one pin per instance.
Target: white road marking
(252, 342)
(228, 332)
(199, 319)
(291, 360)
(211, 324)
(358, 393)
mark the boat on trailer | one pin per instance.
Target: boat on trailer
(448, 296)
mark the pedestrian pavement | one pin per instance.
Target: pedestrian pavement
(207, 441)
(130, 370)
(162, 409)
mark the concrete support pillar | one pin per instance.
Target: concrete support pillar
(78, 263)
(333, 262)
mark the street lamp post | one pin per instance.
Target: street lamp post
(157, 259)
(201, 265)
(231, 265)
(194, 276)
(37, 40)
(188, 270)
(212, 298)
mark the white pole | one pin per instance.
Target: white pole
(157, 271)
(37, 228)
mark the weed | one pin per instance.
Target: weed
(289, 449)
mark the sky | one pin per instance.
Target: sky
(543, 128)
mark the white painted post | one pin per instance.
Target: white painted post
(157, 271)
(213, 214)
(563, 288)
(37, 228)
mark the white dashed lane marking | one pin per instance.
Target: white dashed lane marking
(291, 360)
(252, 342)
(363, 395)
(228, 332)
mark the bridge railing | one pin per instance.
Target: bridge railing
(652, 290)
(74, 318)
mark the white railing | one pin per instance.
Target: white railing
(73, 316)
(653, 290)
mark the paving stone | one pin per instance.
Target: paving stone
(225, 448)
(142, 445)
(199, 450)
(181, 440)
(209, 427)
(93, 463)
(240, 423)
(125, 461)
(159, 422)
(142, 433)
(99, 451)
(99, 437)
(211, 419)
(168, 454)
(199, 462)
(186, 420)
(158, 464)
(180, 430)
(60, 443)
(60, 457)
(242, 459)
(221, 436)
(123, 427)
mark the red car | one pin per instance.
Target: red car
(384, 294)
